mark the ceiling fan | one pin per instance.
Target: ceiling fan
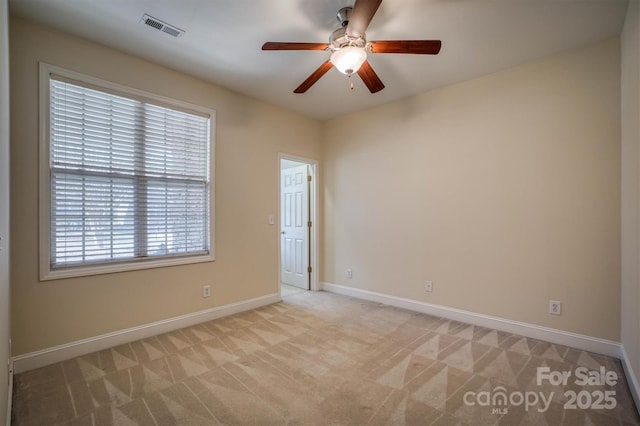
(349, 47)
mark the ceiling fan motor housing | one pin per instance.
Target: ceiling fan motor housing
(340, 39)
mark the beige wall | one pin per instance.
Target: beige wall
(503, 190)
(5, 333)
(631, 187)
(249, 136)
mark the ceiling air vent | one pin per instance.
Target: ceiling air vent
(161, 26)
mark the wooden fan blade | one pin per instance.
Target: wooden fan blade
(363, 11)
(419, 47)
(315, 76)
(370, 78)
(275, 45)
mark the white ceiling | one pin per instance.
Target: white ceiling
(223, 40)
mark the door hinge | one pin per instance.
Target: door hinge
(309, 178)
(309, 224)
(309, 269)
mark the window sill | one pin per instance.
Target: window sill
(47, 274)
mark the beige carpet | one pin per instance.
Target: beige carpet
(320, 358)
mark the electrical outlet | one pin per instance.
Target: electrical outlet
(348, 273)
(428, 286)
(555, 307)
(206, 291)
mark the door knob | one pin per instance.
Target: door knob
(282, 232)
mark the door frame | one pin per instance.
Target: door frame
(313, 217)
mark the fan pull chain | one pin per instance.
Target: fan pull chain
(350, 82)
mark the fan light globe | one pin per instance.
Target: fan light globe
(348, 59)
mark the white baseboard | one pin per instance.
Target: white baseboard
(578, 341)
(66, 351)
(632, 379)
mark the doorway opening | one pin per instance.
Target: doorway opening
(298, 230)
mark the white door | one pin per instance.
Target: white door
(294, 228)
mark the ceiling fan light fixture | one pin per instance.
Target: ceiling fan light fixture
(348, 59)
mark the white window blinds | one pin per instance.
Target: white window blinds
(129, 178)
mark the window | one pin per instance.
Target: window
(125, 178)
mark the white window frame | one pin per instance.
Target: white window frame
(44, 182)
